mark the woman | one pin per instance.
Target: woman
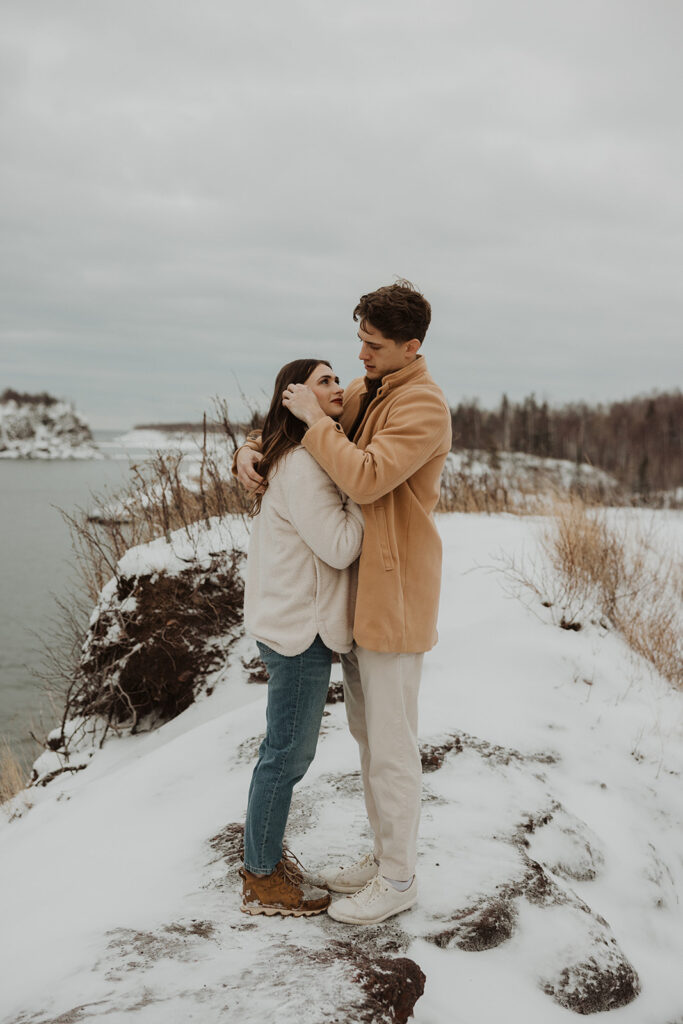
(298, 605)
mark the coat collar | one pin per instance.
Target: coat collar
(408, 374)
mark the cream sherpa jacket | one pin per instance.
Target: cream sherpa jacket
(301, 572)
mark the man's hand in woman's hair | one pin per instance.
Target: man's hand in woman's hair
(246, 462)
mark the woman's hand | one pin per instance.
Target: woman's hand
(301, 401)
(246, 461)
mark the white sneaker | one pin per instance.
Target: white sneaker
(352, 877)
(376, 902)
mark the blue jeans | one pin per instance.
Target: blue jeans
(297, 688)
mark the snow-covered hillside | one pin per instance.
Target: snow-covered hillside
(31, 428)
(551, 851)
(522, 474)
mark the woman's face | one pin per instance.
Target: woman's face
(326, 388)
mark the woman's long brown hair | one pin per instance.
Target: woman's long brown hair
(282, 431)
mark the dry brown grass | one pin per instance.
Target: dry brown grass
(157, 501)
(620, 573)
(486, 482)
(13, 775)
(465, 492)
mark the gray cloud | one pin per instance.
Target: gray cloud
(194, 193)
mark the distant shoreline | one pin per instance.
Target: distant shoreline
(177, 428)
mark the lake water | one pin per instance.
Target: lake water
(36, 568)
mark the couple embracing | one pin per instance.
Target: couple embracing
(345, 556)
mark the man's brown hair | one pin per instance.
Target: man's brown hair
(399, 311)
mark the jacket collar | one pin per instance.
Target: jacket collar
(408, 374)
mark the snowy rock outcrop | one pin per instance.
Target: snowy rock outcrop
(42, 427)
(162, 627)
(523, 479)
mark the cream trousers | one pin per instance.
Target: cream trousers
(380, 692)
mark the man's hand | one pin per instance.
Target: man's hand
(301, 401)
(246, 461)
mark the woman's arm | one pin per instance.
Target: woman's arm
(332, 526)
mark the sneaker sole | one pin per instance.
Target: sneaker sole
(282, 911)
(347, 919)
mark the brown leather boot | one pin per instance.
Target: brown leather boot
(282, 892)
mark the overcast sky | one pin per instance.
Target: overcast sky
(194, 193)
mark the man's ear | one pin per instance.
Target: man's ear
(412, 346)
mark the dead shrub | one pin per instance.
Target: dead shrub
(461, 492)
(165, 493)
(615, 574)
(655, 634)
(517, 484)
(466, 492)
(13, 774)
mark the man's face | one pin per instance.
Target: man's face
(381, 355)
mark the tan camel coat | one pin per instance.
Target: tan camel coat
(392, 469)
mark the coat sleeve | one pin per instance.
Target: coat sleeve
(414, 432)
(330, 524)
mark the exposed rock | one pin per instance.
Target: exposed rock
(391, 985)
(585, 970)
(335, 694)
(249, 748)
(350, 783)
(228, 844)
(152, 641)
(484, 927)
(599, 983)
(256, 670)
(41, 427)
(602, 979)
(138, 950)
(433, 755)
(566, 846)
(538, 888)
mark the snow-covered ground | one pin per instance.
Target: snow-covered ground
(551, 847)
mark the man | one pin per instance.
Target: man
(387, 453)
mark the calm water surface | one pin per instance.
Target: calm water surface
(36, 567)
